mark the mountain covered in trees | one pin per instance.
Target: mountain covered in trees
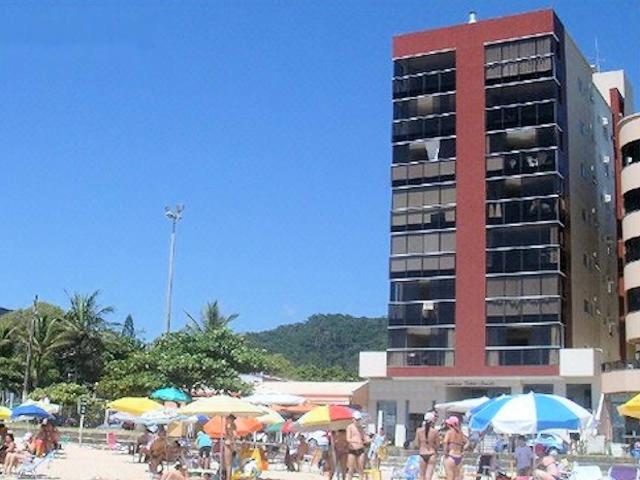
(325, 347)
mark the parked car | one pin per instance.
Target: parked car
(550, 442)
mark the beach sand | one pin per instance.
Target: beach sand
(88, 463)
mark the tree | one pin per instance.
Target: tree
(210, 319)
(189, 361)
(10, 365)
(49, 337)
(50, 334)
(62, 393)
(128, 329)
(88, 324)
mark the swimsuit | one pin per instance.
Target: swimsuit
(426, 456)
(357, 452)
(457, 459)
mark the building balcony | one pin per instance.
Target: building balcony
(620, 377)
(631, 225)
(632, 328)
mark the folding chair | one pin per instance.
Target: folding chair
(29, 468)
(623, 472)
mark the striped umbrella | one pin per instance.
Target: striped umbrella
(530, 413)
(326, 417)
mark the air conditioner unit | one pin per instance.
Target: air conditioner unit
(606, 159)
(592, 168)
(607, 198)
(605, 121)
(427, 307)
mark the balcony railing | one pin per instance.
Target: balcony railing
(620, 365)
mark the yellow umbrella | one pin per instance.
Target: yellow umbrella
(134, 405)
(221, 405)
(5, 413)
(631, 408)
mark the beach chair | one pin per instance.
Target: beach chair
(623, 472)
(29, 468)
(586, 472)
(409, 471)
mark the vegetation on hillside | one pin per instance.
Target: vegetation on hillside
(324, 347)
(79, 352)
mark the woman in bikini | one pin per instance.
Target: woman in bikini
(454, 444)
(229, 445)
(428, 442)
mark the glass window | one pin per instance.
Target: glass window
(632, 249)
(423, 290)
(521, 93)
(424, 63)
(632, 200)
(398, 245)
(414, 244)
(633, 299)
(399, 200)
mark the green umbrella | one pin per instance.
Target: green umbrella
(170, 394)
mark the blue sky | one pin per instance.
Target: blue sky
(270, 120)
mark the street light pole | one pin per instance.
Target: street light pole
(27, 371)
(174, 216)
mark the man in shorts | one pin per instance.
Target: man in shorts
(203, 441)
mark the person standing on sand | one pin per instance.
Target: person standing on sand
(455, 442)
(229, 445)
(342, 452)
(428, 442)
(356, 440)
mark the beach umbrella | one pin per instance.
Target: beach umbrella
(32, 411)
(123, 417)
(46, 405)
(221, 405)
(5, 413)
(243, 426)
(270, 417)
(275, 398)
(461, 406)
(326, 417)
(529, 413)
(134, 405)
(162, 416)
(295, 409)
(171, 394)
(631, 408)
(284, 427)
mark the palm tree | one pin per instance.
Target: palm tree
(87, 325)
(86, 315)
(210, 319)
(50, 334)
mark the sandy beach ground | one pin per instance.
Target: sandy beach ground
(89, 463)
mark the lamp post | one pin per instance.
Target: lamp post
(174, 216)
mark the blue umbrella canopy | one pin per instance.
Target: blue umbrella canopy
(529, 413)
(170, 394)
(30, 411)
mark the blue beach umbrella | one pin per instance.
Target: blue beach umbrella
(32, 411)
(170, 394)
(529, 413)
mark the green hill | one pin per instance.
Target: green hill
(325, 341)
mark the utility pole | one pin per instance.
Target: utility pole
(27, 371)
(174, 216)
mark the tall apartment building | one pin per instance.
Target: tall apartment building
(503, 268)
